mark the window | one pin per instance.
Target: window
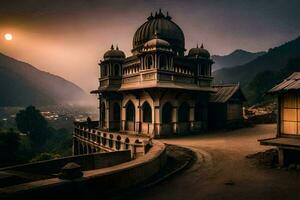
(104, 70)
(290, 114)
(163, 62)
(149, 62)
(116, 70)
(147, 112)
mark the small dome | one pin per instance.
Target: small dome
(156, 42)
(114, 53)
(199, 52)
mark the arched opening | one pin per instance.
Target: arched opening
(149, 62)
(167, 113)
(199, 112)
(130, 116)
(127, 141)
(116, 116)
(102, 115)
(147, 112)
(163, 64)
(116, 69)
(183, 112)
(130, 112)
(103, 70)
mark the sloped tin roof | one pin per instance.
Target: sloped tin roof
(290, 83)
(225, 92)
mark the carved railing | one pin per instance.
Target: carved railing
(110, 141)
(165, 76)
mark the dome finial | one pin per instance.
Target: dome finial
(168, 17)
(151, 16)
(160, 14)
(112, 47)
(197, 45)
(117, 48)
(202, 47)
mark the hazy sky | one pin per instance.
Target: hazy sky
(69, 37)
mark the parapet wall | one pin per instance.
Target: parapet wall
(87, 162)
(94, 183)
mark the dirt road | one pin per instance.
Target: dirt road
(223, 172)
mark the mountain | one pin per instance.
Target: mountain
(266, 80)
(238, 57)
(21, 84)
(273, 61)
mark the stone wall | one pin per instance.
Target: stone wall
(52, 167)
(98, 183)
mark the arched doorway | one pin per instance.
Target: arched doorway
(130, 116)
(147, 126)
(183, 112)
(167, 111)
(183, 117)
(102, 115)
(147, 112)
(200, 114)
(116, 116)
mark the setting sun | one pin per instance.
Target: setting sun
(8, 36)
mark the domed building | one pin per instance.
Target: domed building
(158, 90)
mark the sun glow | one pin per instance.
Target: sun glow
(8, 36)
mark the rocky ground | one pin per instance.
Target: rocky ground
(227, 168)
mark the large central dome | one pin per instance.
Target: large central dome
(163, 27)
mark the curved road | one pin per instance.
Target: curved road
(222, 170)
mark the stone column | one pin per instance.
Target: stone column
(138, 117)
(107, 114)
(157, 121)
(175, 119)
(192, 118)
(123, 117)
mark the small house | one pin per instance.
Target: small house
(287, 138)
(226, 107)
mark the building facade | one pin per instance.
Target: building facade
(158, 90)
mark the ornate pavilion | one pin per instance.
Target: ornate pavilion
(158, 90)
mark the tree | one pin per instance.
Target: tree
(9, 146)
(31, 122)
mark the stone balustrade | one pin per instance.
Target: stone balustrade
(90, 139)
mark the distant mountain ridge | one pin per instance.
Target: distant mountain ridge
(237, 57)
(274, 60)
(22, 84)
